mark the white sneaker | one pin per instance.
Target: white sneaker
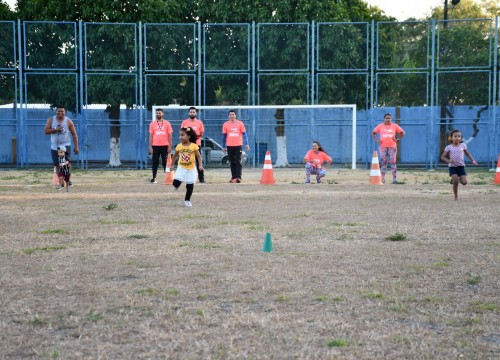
(188, 203)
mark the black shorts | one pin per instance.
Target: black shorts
(457, 170)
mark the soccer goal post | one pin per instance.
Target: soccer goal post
(287, 131)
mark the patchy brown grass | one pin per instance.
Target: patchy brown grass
(149, 278)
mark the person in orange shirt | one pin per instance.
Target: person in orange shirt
(197, 125)
(387, 141)
(314, 160)
(160, 141)
(233, 136)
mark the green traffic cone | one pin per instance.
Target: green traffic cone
(268, 244)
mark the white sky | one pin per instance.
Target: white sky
(11, 3)
(404, 9)
(400, 9)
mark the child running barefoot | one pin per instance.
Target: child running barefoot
(187, 152)
(454, 155)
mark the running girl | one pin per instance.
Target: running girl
(187, 152)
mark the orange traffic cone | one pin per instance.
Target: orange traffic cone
(375, 175)
(497, 174)
(267, 172)
(169, 175)
(55, 179)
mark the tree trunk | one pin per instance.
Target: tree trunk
(282, 158)
(114, 132)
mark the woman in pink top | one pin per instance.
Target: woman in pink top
(453, 154)
(314, 160)
(387, 145)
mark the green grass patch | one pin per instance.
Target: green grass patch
(396, 237)
(337, 343)
(282, 298)
(401, 339)
(473, 279)
(443, 262)
(478, 306)
(172, 292)
(94, 316)
(146, 291)
(110, 206)
(433, 299)
(373, 295)
(54, 231)
(38, 321)
(322, 298)
(33, 250)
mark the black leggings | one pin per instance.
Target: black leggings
(189, 189)
(234, 155)
(159, 151)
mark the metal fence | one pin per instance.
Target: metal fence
(433, 75)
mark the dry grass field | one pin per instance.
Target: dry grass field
(119, 269)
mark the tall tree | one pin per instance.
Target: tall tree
(110, 48)
(281, 49)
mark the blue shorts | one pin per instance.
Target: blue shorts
(457, 170)
(55, 157)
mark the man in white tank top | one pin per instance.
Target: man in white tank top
(59, 127)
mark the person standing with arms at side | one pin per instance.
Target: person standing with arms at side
(59, 127)
(233, 136)
(197, 125)
(388, 132)
(160, 141)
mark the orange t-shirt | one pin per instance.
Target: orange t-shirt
(161, 130)
(197, 126)
(316, 159)
(387, 134)
(234, 131)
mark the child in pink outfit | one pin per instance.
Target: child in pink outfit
(453, 154)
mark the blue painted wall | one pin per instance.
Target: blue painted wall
(331, 127)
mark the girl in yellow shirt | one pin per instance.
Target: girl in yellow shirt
(187, 152)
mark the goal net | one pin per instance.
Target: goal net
(287, 131)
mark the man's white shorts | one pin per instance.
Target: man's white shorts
(185, 175)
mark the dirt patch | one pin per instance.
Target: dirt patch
(119, 268)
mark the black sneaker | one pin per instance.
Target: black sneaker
(153, 181)
(70, 184)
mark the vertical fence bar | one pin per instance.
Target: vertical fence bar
(253, 65)
(20, 133)
(372, 70)
(496, 96)
(313, 45)
(83, 123)
(141, 110)
(199, 64)
(430, 148)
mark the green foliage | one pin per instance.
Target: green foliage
(5, 12)
(110, 206)
(337, 343)
(397, 237)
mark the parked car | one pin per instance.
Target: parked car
(213, 153)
